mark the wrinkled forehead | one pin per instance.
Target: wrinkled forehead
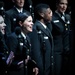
(63, 1)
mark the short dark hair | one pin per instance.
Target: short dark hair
(22, 16)
(40, 8)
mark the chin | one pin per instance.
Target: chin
(3, 33)
(30, 31)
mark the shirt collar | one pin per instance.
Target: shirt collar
(43, 25)
(19, 10)
(23, 35)
(60, 13)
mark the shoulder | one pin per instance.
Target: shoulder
(12, 36)
(55, 16)
(37, 25)
(10, 11)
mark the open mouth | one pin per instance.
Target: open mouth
(3, 30)
(30, 27)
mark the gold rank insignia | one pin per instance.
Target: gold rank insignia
(7, 52)
(65, 24)
(66, 28)
(28, 50)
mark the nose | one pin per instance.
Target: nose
(32, 23)
(4, 24)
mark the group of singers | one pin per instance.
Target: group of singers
(35, 47)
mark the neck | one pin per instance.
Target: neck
(24, 32)
(42, 21)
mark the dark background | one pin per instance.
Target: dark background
(71, 7)
(9, 4)
(52, 3)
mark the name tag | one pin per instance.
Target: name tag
(56, 21)
(45, 37)
(21, 44)
(39, 32)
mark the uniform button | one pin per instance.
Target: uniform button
(26, 66)
(51, 56)
(28, 50)
(66, 28)
(65, 24)
(52, 63)
(5, 71)
(7, 52)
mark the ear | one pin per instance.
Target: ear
(42, 14)
(20, 23)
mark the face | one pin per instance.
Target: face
(27, 25)
(48, 15)
(2, 25)
(19, 3)
(62, 6)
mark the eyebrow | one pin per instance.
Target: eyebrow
(63, 3)
(1, 22)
